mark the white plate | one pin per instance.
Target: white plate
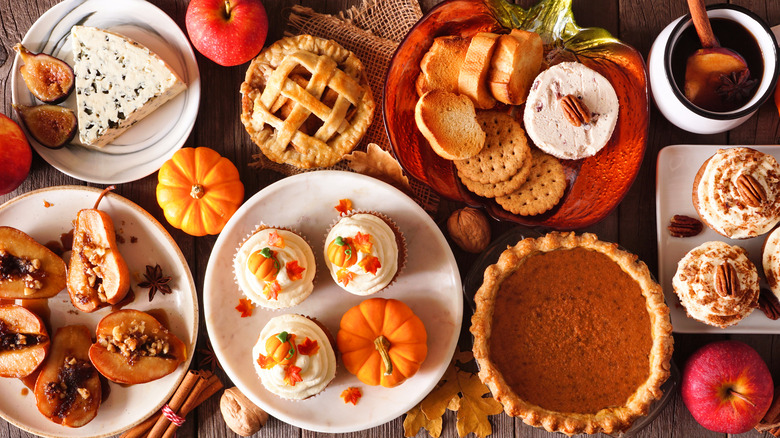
(145, 242)
(143, 148)
(677, 167)
(430, 285)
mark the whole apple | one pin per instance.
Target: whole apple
(228, 32)
(15, 155)
(727, 387)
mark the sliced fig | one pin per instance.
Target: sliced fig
(49, 79)
(51, 125)
(28, 270)
(24, 341)
(133, 347)
(68, 389)
(98, 274)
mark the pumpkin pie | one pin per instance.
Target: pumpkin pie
(572, 334)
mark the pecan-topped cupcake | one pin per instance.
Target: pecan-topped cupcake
(275, 268)
(717, 284)
(736, 192)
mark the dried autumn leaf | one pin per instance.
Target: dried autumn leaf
(245, 306)
(379, 164)
(435, 404)
(351, 395)
(474, 408)
(415, 419)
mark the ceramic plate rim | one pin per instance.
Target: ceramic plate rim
(145, 215)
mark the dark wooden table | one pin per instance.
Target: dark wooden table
(632, 224)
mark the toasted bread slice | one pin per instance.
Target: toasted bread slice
(441, 64)
(449, 123)
(516, 61)
(473, 73)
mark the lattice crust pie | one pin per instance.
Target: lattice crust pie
(306, 101)
(572, 334)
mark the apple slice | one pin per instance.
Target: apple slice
(68, 389)
(24, 341)
(133, 347)
(98, 274)
(28, 270)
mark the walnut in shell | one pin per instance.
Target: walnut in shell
(241, 415)
(469, 229)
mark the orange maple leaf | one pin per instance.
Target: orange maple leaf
(308, 347)
(344, 206)
(274, 239)
(370, 264)
(344, 276)
(265, 362)
(351, 395)
(245, 306)
(292, 376)
(272, 289)
(362, 242)
(294, 271)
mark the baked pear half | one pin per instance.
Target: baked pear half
(28, 270)
(24, 341)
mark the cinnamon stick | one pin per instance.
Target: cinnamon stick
(199, 394)
(179, 397)
(139, 430)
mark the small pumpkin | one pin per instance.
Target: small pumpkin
(199, 190)
(341, 252)
(264, 265)
(281, 348)
(382, 342)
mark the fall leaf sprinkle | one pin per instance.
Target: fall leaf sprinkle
(292, 375)
(351, 395)
(370, 264)
(272, 289)
(308, 347)
(275, 240)
(155, 281)
(362, 242)
(344, 206)
(344, 277)
(245, 307)
(294, 272)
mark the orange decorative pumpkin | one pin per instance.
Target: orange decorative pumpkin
(341, 252)
(199, 190)
(382, 342)
(281, 348)
(263, 264)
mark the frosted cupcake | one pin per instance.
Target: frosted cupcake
(717, 284)
(275, 268)
(770, 260)
(294, 357)
(364, 253)
(737, 192)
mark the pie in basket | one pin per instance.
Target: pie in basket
(572, 334)
(306, 101)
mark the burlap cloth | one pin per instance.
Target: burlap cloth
(372, 32)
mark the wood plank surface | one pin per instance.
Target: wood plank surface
(632, 224)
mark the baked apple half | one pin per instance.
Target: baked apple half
(68, 389)
(133, 347)
(24, 341)
(28, 270)
(98, 274)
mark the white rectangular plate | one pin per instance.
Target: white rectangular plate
(677, 167)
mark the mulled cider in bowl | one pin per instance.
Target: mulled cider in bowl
(728, 99)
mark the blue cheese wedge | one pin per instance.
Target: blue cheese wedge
(118, 83)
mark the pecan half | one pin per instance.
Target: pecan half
(770, 305)
(750, 190)
(575, 110)
(726, 280)
(684, 226)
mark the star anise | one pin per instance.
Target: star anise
(155, 281)
(736, 86)
(208, 358)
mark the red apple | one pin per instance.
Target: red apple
(228, 32)
(727, 387)
(15, 155)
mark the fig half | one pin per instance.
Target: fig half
(67, 390)
(133, 347)
(28, 270)
(24, 341)
(49, 79)
(51, 125)
(98, 274)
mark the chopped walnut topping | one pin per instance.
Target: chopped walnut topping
(69, 384)
(93, 256)
(10, 340)
(21, 268)
(133, 343)
(83, 392)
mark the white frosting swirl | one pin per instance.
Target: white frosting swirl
(383, 247)
(694, 283)
(292, 292)
(720, 203)
(771, 261)
(317, 370)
